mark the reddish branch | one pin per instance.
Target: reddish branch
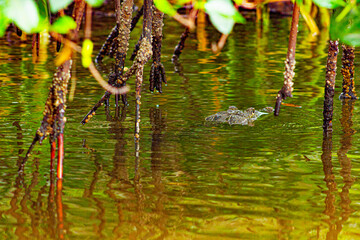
(286, 90)
(330, 85)
(61, 92)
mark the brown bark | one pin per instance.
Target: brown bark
(105, 48)
(123, 20)
(180, 46)
(286, 90)
(330, 85)
(54, 120)
(348, 71)
(143, 56)
(157, 72)
(110, 47)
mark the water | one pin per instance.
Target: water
(192, 180)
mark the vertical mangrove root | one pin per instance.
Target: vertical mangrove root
(330, 85)
(144, 52)
(286, 90)
(143, 56)
(348, 71)
(116, 44)
(157, 72)
(180, 46)
(53, 122)
(123, 20)
(54, 112)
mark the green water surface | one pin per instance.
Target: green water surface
(278, 179)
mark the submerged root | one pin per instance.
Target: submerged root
(54, 111)
(157, 77)
(330, 86)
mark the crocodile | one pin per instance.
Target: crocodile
(235, 116)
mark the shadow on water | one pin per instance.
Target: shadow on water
(336, 220)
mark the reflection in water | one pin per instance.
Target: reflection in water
(334, 221)
(26, 206)
(88, 193)
(190, 181)
(128, 194)
(158, 122)
(119, 175)
(61, 229)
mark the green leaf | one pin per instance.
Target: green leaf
(347, 30)
(352, 39)
(43, 16)
(24, 13)
(4, 22)
(239, 18)
(344, 12)
(330, 3)
(165, 7)
(300, 2)
(95, 3)
(56, 5)
(223, 15)
(182, 2)
(63, 25)
(199, 5)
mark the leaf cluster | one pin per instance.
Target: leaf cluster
(33, 16)
(222, 13)
(345, 20)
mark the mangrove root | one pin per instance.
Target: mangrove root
(180, 46)
(286, 90)
(53, 122)
(109, 47)
(348, 70)
(157, 72)
(330, 85)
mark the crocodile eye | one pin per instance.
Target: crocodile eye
(251, 110)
